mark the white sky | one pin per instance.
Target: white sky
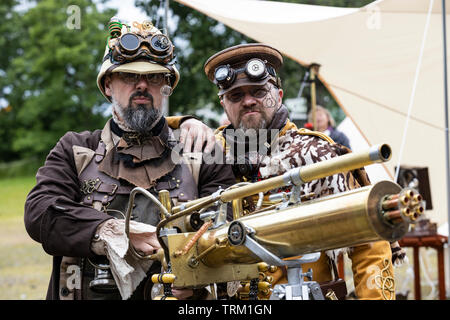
(126, 10)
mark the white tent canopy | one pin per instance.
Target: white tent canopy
(368, 58)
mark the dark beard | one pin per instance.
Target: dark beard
(140, 118)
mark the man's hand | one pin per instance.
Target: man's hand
(146, 242)
(193, 129)
(182, 293)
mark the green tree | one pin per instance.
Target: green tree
(51, 73)
(10, 29)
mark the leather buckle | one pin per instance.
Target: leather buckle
(114, 190)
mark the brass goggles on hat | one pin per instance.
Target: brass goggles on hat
(131, 46)
(255, 69)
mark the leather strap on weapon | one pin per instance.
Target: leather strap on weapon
(336, 286)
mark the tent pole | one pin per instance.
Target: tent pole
(313, 70)
(447, 160)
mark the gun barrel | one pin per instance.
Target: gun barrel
(343, 220)
(305, 174)
(347, 162)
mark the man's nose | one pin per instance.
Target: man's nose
(248, 100)
(142, 84)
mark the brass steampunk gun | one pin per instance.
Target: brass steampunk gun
(200, 248)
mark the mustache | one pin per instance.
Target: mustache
(144, 94)
(250, 109)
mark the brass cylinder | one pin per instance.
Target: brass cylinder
(342, 220)
(237, 208)
(347, 162)
(419, 210)
(390, 204)
(164, 298)
(163, 278)
(416, 199)
(164, 198)
(318, 170)
(404, 199)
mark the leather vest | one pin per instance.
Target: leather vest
(107, 194)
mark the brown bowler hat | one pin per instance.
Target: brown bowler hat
(237, 56)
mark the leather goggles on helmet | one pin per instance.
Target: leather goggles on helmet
(255, 69)
(130, 47)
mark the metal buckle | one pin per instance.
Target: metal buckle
(114, 190)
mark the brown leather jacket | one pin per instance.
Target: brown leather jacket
(56, 212)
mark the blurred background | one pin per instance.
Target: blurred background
(50, 54)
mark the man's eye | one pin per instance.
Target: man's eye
(236, 96)
(128, 77)
(259, 93)
(155, 78)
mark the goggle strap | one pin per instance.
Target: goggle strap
(107, 56)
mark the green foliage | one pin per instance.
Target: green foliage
(8, 42)
(20, 168)
(50, 75)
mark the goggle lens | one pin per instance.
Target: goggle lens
(160, 43)
(130, 42)
(222, 73)
(255, 69)
(128, 48)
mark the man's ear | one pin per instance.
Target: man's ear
(280, 93)
(108, 89)
(221, 102)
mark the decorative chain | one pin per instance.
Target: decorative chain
(253, 292)
(88, 186)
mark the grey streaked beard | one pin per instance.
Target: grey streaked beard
(138, 119)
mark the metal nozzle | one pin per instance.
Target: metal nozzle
(416, 199)
(404, 206)
(380, 153)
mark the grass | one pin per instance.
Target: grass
(13, 192)
(24, 266)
